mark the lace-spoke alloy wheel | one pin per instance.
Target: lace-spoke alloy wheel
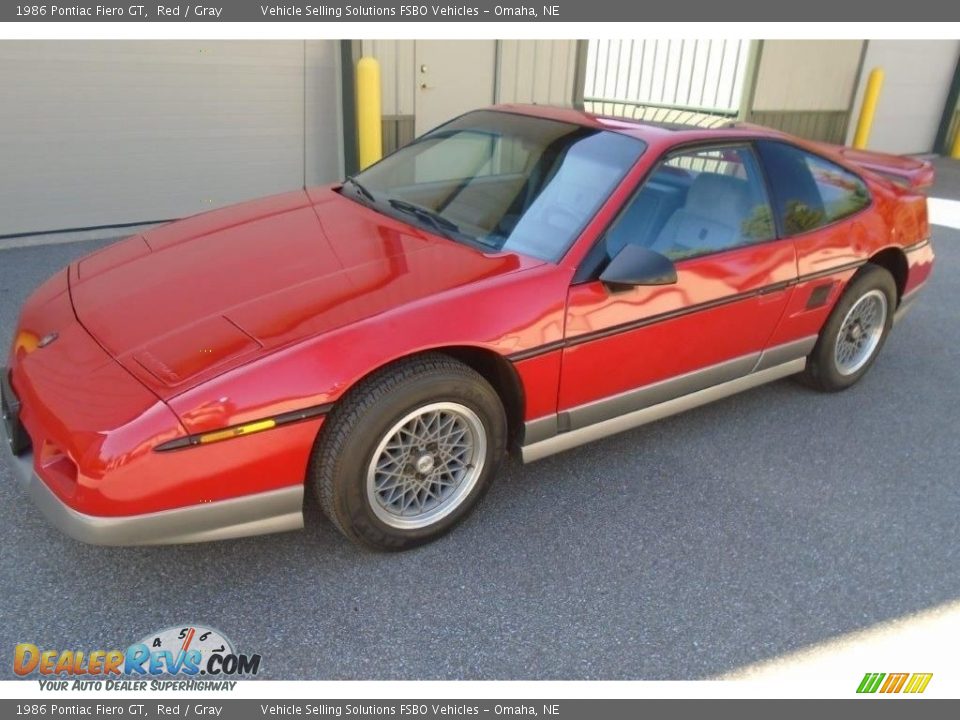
(426, 465)
(860, 332)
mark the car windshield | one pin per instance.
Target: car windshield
(501, 181)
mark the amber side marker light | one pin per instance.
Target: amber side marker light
(236, 431)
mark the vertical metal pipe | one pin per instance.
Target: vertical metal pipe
(616, 81)
(369, 114)
(606, 70)
(706, 69)
(596, 68)
(733, 80)
(747, 74)
(653, 67)
(868, 109)
(630, 71)
(666, 67)
(676, 88)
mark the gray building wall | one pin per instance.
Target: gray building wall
(917, 76)
(522, 71)
(108, 132)
(805, 87)
(536, 71)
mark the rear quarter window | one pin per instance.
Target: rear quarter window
(810, 191)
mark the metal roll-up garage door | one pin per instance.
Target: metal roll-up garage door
(918, 76)
(101, 133)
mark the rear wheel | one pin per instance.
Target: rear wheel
(407, 453)
(854, 333)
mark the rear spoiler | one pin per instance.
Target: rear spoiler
(909, 172)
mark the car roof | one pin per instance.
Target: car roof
(661, 125)
(663, 128)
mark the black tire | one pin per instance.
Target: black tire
(823, 370)
(361, 420)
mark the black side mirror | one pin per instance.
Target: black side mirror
(636, 265)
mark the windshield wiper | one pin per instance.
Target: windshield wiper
(440, 223)
(367, 195)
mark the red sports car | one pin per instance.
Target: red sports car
(523, 278)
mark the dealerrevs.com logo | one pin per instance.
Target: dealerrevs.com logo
(187, 652)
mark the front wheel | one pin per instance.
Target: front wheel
(854, 333)
(407, 453)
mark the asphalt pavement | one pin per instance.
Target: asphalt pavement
(725, 536)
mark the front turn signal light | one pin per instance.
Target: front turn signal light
(250, 428)
(236, 431)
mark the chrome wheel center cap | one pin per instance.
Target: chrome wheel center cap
(424, 463)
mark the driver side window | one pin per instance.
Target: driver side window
(697, 202)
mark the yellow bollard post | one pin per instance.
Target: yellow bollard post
(369, 131)
(868, 109)
(955, 148)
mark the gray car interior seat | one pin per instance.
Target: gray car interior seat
(711, 218)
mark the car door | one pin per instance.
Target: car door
(707, 210)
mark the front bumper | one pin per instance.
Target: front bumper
(256, 514)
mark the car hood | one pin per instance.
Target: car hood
(188, 300)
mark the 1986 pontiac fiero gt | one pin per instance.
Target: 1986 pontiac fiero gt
(521, 277)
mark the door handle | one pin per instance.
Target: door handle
(772, 294)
